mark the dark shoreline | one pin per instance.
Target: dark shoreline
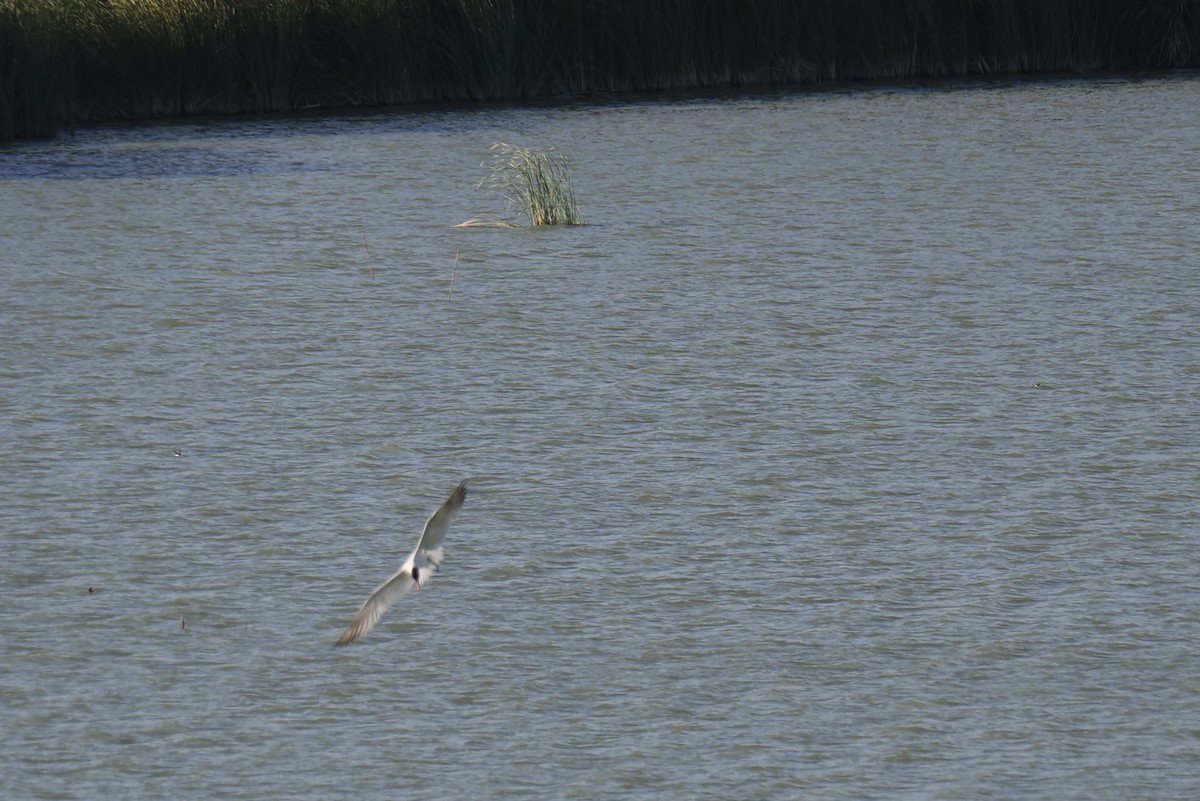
(662, 96)
(78, 62)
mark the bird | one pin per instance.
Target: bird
(423, 562)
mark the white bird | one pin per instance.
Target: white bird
(423, 562)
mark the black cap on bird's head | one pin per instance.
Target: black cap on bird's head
(416, 574)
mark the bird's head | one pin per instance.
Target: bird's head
(416, 574)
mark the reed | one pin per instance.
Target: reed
(365, 52)
(156, 58)
(63, 61)
(537, 182)
(37, 76)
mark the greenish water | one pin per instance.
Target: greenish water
(849, 452)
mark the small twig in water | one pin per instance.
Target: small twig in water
(370, 264)
(450, 294)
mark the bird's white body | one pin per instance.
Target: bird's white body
(423, 562)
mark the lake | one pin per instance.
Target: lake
(849, 451)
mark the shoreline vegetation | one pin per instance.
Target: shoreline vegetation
(67, 62)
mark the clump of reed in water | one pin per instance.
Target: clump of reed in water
(537, 182)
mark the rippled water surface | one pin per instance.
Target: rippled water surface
(850, 451)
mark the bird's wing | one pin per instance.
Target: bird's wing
(439, 521)
(373, 608)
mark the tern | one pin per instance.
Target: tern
(423, 562)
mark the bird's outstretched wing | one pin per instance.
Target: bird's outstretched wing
(428, 551)
(439, 521)
(373, 608)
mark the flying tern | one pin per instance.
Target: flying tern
(423, 562)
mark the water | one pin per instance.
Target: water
(849, 452)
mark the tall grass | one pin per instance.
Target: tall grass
(37, 76)
(63, 61)
(154, 59)
(537, 182)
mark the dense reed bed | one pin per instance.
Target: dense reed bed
(64, 61)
